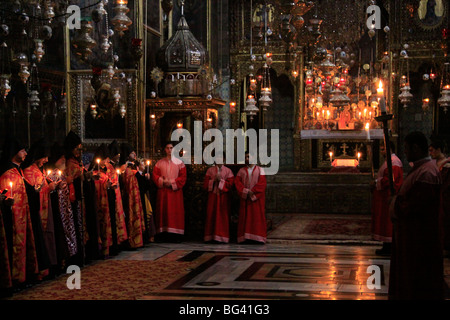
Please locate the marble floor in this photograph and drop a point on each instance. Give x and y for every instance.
(270, 271)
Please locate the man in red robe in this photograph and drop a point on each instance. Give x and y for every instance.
(5, 251)
(381, 221)
(169, 175)
(416, 270)
(437, 148)
(133, 203)
(39, 202)
(218, 182)
(251, 186)
(74, 176)
(118, 224)
(23, 259)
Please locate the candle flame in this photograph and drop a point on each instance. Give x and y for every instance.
(48, 172)
(367, 126)
(59, 172)
(10, 184)
(98, 160)
(118, 171)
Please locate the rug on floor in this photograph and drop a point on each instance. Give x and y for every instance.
(323, 227)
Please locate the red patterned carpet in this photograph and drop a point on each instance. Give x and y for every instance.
(112, 280)
(323, 227)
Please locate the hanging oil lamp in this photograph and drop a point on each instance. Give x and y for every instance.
(121, 21)
(24, 74)
(39, 49)
(5, 88)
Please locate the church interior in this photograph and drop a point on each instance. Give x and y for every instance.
(330, 82)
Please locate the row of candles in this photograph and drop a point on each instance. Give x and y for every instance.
(331, 156)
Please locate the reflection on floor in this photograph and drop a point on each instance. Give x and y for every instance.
(269, 271)
(275, 272)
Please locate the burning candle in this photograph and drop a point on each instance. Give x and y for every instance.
(359, 157)
(148, 165)
(11, 187)
(98, 164)
(118, 172)
(368, 130)
(49, 172)
(331, 156)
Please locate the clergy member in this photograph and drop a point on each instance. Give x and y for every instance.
(437, 148)
(381, 220)
(146, 185)
(133, 208)
(416, 270)
(39, 191)
(5, 248)
(118, 224)
(23, 256)
(218, 182)
(63, 218)
(74, 176)
(251, 186)
(169, 175)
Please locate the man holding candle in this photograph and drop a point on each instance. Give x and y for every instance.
(23, 250)
(145, 187)
(132, 196)
(381, 221)
(111, 156)
(39, 201)
(169, 175)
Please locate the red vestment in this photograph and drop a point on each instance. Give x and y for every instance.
(416, 270)
(5, 269)
(135, 213)
(103, 216)
(444, 170)
(24, 258)
(121, 226)
(381, 220)
(218, 209)
(169, 215)
(252, 219)
(74, 170)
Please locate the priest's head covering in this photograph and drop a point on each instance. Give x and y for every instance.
(11, 147)
(114, 149)
(101, 152)
(38, 150)
(126, 150)
(56, 152)
(71, 141)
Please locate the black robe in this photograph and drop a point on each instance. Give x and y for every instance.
(39, 240)
(145, 188)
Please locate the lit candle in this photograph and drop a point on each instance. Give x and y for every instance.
(98, 164)
(359, 157)
(118, 172)
(328, 114)
(49, 172)
(368, 130)
(331, 156)
(359, 117)
(365, 113)
(380, 89)
(11, 187)
(148, 165)
(59, 174)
